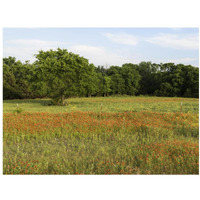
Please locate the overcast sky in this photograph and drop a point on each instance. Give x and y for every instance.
(107, 46)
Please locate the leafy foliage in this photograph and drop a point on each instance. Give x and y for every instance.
(17, 79)
(60, 74)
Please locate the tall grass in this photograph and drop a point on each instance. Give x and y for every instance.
(78, 142)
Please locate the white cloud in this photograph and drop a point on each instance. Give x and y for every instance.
(32, 42)
(88, 50)
(24, 49)
(181, 60)
(126, 39)
(100, 56)
(187, 42)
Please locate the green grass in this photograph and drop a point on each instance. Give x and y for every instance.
(109, 104)
(132, 135)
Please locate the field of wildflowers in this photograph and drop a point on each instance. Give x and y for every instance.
(115, 135)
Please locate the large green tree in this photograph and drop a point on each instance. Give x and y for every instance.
(61, 74)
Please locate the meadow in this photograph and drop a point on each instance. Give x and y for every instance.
(101, 135)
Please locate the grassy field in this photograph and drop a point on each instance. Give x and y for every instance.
(111, 135)
(110, 104)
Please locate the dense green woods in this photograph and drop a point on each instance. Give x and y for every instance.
(60, 74)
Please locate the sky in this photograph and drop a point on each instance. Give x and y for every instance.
(107, 46)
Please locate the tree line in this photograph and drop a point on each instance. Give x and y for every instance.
(59, 74)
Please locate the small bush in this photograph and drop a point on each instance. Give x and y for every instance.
(57, 102)
(19, 110)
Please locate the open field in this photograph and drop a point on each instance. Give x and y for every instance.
(112, 135)
(110, 104)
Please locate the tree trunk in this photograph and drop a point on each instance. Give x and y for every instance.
(63, 100)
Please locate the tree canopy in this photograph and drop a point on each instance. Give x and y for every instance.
(59, 74)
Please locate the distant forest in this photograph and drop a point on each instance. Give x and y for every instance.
(60, 74)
